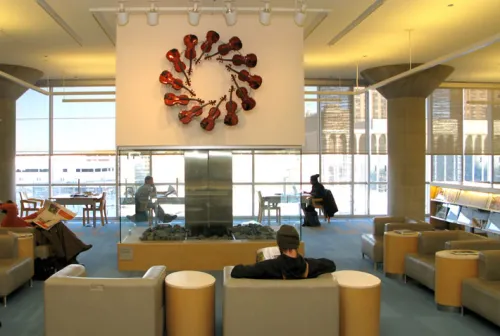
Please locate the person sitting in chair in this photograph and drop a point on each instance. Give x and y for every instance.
(63, 242)
(143, 202)
(289, 265)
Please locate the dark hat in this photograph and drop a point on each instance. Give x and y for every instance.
(287, 238)
(315, 178)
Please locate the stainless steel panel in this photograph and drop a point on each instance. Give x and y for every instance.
(220, 179)
(196, 187)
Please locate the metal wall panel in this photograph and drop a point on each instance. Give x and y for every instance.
(220, 179)
(209, 191)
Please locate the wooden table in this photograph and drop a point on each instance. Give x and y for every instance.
(190, 309)
(80, 200)
(359, 303)
(451, 269)
(396, 247)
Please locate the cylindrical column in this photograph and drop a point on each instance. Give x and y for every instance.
(406, 148)
(9, 93)
(406, 134)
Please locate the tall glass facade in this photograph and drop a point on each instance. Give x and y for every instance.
(67, 141)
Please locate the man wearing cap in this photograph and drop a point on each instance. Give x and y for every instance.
(289, 265)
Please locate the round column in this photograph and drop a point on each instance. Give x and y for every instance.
(406, 133)
(9, 93)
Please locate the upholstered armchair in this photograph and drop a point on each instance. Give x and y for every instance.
(482, 294)
(372, 244)
(77, 305)
(255, 307)
(421, 267)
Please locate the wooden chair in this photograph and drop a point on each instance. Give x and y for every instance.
(317, 203)
(29, 204)
(263, 206)
(99, 206)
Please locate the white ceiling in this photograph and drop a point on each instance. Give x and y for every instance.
(29, 37)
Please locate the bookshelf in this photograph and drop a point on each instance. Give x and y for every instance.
(455, 206)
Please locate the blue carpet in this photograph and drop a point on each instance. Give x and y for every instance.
(407, 309)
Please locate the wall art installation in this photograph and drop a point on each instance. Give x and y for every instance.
(193, 107)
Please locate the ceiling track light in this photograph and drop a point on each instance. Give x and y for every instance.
(300, 14)
(122, 16)
(230, 14)
(194, 15)
(265, 14)
(153, 16)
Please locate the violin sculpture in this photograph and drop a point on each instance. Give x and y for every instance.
(250, 60)
(187, 116)
(206, 47)
(174, 56)
(172, 99)
(234, 44)
(167, 78)
(208, 123)
(253, 80)
(247, 102)
(239, 66)
(231, 119)
(190, 41)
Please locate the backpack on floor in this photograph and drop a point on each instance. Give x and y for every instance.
(44, 269)
(311, 218)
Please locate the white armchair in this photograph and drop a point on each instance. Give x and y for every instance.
(80, 306)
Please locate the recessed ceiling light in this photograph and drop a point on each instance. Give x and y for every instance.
(451, 5)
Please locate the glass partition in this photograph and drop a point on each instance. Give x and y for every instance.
(215, 193)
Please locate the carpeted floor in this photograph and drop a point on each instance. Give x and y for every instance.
(407, 309)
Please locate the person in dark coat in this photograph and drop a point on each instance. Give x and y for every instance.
(318, 190)
(289, 265)
(63, 242)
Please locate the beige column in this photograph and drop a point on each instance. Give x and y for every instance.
(406, 133)
(9, 93)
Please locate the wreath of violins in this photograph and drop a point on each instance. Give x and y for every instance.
(196, 109)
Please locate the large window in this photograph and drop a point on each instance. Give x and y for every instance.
(32, 123)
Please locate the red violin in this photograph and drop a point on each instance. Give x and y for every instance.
(247, 102)
(174, 56)
(187, 116)
(172, 99)
(249, 60)
(206, 47)
(253, 80)
(190, 41)
(208, 123)
(234, 44)
(231, 119)
(167, 78)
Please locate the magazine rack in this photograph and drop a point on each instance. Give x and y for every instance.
(464, 207)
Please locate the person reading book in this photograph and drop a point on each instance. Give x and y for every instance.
(289, 264)
(63, 242)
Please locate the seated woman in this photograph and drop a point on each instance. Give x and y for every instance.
(65, 244)
(318, 190)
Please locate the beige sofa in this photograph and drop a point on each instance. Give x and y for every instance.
(421, 265)
(372, 244)
(80, 306)
(280, 307)
(14, 271)
(482, 294)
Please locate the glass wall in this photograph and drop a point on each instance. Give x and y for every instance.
(67, 141)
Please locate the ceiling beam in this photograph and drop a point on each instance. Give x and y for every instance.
(315, 23)
(60, 21)
(101, 21)
(362, 17)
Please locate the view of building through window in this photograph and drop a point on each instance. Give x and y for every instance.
(64, 147)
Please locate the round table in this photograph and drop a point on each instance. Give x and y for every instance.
(190, 304)
(396, 247)
(451, 269)
(359, 303)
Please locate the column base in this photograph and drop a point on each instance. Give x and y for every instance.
(448, 309)
(394, 276)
